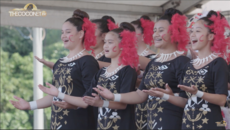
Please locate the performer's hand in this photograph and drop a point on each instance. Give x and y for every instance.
(93, 101)
(104, 92)
(193, 89)
(64, 105)
(40, 60)
(153, 92)
(21, 104)
(167, 90)
(53, 91)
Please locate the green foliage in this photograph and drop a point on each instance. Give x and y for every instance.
(17, 74)
(12, 41)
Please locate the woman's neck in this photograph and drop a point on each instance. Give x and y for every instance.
(75, 50)
(204, 52)
(98, 50)
(114, 62)
(141, 47)
(169, 49)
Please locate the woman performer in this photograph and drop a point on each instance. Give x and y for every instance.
(170, 37)
(72, 76)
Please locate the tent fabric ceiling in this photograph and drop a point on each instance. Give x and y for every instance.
(131, 2)
(58, 11)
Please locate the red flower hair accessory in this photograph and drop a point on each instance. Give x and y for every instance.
(193, 20)
(179, 32)
(111, 25)
(129, 54)
(220, 43)
(147, 26)
(89, 38)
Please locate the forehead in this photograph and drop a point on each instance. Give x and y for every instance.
(199, 23)
(161, 23)
(111, 35)
(67, 25)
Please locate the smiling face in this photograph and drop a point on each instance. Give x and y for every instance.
(200, 36)
(70, 36)
(161, 35)
(111, 45)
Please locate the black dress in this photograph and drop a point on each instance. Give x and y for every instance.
(212, 78)
(150, 56)
(73, 78)
(104, 59)
(121, 82)
(162, 114)
(141, 110)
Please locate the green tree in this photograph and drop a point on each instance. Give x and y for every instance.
(17, 74)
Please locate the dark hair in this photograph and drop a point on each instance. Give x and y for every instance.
(207, 18)
(124, 26)
(168, 14)
(106, 17)
(138, 22)
(103, 23)
(77, 18)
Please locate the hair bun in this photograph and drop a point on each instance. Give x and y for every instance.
(171, 11)
(106, 17)
(211, 12)
(127, 26)
(145, 17)
(80, 14)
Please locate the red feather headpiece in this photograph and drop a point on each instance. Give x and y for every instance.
(147, 26)
(111, 25)
(220, 43)
(179, 32)
(129, 54)
(89, 38)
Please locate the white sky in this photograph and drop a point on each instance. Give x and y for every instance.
(217, 5)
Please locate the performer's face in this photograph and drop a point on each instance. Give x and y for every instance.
(99, 36)
(139, 34)
(161, 35)
(70, 36)
(200, 36)
(111, 46)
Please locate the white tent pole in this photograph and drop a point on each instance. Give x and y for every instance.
(37, 77)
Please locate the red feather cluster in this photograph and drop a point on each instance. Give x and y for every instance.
(147, 26)
(129, 54)
(111, 25)
(89, 38)
(179, 32)
(220, 43)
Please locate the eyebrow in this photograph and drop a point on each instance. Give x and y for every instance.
(160, 28)
(67, 30)
(109, 40)
(199, 27)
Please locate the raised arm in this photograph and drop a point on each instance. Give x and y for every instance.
(53, 91)
(134, 97)
(98, 102)
(21, 104)
(46, 63)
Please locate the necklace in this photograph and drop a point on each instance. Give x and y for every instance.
(199, 61)
(66, 59)
(99, 55)
(165, 57)
(107, 74)
(145, 52)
